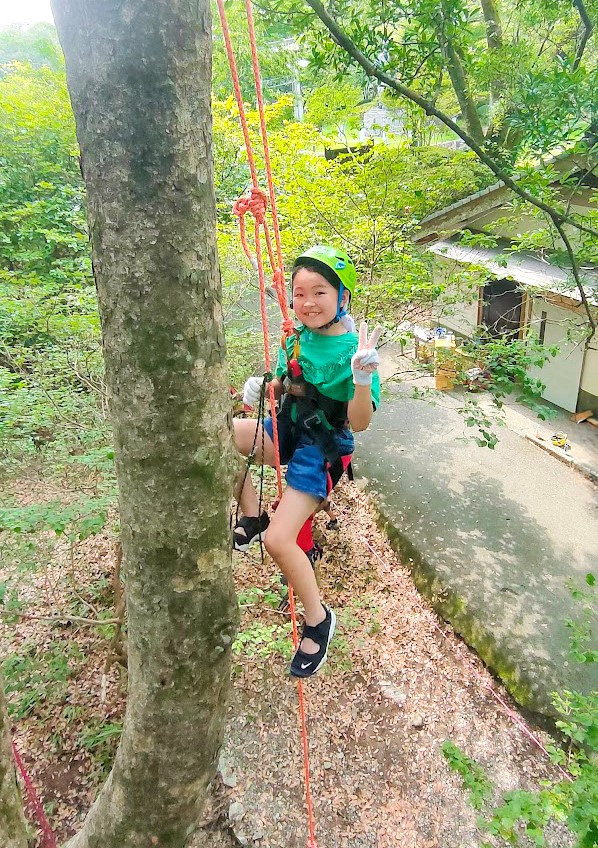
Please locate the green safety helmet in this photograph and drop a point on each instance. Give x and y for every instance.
(335, 258)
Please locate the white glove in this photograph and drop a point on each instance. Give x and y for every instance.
(252, 390)
(366, 359)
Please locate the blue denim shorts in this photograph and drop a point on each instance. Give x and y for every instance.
(307, 469)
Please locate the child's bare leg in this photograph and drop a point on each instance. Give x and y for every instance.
(332, 523)
(244, 433)
(281, 543)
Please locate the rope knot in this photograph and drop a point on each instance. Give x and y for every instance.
(241, 206)
(256, 203)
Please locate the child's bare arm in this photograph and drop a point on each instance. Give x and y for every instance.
(363, 364)
(360, 409)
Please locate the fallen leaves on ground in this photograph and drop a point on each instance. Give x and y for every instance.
(398, 683)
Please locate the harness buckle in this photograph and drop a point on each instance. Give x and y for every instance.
(313, 420)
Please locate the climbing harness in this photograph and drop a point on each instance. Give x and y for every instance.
(256, 203)
(306, 410)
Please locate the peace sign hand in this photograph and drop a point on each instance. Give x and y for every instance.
(366, 359)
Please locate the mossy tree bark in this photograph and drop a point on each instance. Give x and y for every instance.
(12, 821)
(139, 77)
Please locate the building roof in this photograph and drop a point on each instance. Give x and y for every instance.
(525, 268)
(462, 206)
(456, 216)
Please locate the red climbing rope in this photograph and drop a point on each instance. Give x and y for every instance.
(34, 805)
(256, 203)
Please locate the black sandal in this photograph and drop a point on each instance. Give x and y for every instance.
(304, 665)
(254, 529)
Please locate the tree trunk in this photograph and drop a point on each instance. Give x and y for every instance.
(493, 25)
(460, 85)
(139, 79)
(12, 821)
(494, 42)
(456, 72)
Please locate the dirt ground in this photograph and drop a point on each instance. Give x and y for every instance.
(397, 685)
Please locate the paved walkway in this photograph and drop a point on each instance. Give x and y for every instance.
(492, 537)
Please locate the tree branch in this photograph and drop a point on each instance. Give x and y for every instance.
(577, 278)
(493, 26)
(557, 216)
(495, 42)
(458, 78)
(588, 27)
(343, 40)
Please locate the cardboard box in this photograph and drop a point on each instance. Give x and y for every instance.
(444, 381)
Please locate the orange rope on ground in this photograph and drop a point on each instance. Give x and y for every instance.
(34, 805)
(256, 204)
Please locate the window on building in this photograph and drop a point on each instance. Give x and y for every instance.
(501, 308)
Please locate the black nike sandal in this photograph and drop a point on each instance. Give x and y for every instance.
(304, 665)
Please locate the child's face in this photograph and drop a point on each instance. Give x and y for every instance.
(315, 300)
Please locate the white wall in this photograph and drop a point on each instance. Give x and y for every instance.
(589, 377)
(562, 374)
(461, 318)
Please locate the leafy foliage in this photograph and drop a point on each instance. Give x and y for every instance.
(583, 628)
(75, 520)
(278, 63)
(50, 359)
(33, 675)
(520, 75)
(370, 204)
(101, 738)
(36, 44)
(474, 777)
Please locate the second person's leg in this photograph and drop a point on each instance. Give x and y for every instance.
(250, 437)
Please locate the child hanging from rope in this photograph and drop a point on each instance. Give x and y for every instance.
(327, 375)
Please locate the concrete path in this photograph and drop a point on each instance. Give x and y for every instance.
(492, 538)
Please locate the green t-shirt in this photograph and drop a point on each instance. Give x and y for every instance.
(326, 364)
